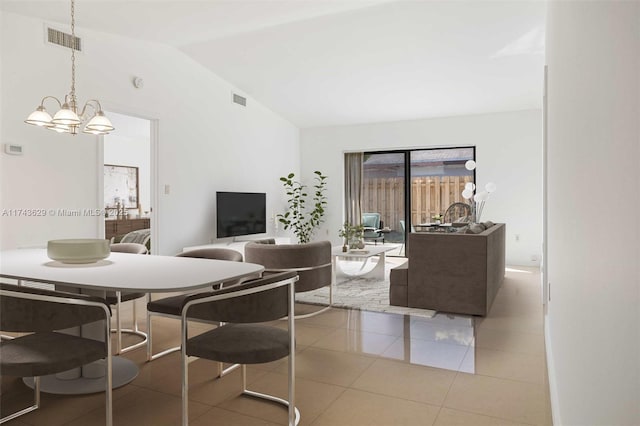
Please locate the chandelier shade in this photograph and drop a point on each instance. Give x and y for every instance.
(39, 117)
(66, 116)
(69, 118)
(99, 123)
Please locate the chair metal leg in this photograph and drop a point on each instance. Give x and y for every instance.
(185, 375)
(293, 412)
(150, 355)
(224, 371)
(319, 311)
(109, 384)
(33, 407)
(135, 331)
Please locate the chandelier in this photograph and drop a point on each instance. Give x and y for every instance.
(67, 119)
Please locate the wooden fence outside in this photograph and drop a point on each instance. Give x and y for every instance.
(430, 195)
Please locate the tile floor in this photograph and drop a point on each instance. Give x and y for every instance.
(353, 368)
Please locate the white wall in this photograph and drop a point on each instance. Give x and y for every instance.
(593, 320)
(206, 143)
(508, 153)
(130, 146)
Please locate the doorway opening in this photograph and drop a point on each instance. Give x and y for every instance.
(128, 186)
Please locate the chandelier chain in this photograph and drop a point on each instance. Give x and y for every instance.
(73, 54)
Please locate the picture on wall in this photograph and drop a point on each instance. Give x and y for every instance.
(120, 186)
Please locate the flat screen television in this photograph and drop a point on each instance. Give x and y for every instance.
(240, 213)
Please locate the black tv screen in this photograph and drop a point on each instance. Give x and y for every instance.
(240, 213)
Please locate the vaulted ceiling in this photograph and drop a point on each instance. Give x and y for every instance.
(339, 62)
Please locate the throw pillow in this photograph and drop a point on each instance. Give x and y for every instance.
(488, 224)
(476, 228)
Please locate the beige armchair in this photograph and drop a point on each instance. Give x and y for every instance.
(312, 262)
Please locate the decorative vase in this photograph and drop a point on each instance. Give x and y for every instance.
(356, 243)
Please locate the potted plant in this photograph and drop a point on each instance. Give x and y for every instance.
(304, 216)
(353, 236)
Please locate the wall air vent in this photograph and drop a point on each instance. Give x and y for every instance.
(240, 100)
(63, 39)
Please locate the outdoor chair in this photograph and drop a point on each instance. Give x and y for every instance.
(243, 337)
(44, 351)
(372, 227)
(457, 213)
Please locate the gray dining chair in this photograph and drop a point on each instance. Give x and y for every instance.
(44, 351)
(171, 307)
(117, 298)
(243, 337)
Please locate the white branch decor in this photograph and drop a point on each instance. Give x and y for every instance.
(476, 199)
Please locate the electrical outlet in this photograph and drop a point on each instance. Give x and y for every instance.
(517, 237)
(167, 189)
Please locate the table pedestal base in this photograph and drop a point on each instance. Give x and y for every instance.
(124, 371)
(377, 272)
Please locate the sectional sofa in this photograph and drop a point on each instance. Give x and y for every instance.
(457, 272)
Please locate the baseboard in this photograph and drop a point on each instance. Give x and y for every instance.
(551, 374)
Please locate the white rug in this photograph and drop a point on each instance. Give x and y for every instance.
(366, 294)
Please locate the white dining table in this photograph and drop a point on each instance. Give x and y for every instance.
(119, 272)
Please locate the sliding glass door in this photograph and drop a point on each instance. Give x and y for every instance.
(412, 187)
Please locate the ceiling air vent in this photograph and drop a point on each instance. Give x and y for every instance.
(240, 100)
(63, 39)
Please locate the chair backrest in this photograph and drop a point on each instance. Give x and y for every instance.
(258, 300)
(457, 212)
(28, 309)
(312, 261)
(133, 248)
(213, 253)
(371, 220)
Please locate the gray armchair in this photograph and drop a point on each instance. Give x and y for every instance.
(312, 262)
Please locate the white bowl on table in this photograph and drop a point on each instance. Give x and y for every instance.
(78, 250)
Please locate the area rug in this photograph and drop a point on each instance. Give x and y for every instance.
(367, 294)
